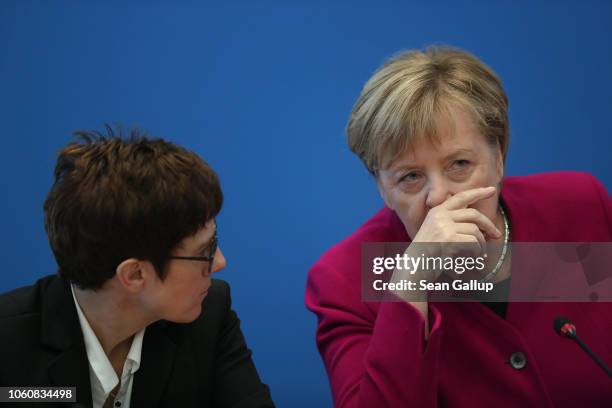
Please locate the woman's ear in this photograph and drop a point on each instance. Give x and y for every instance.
(131, 274)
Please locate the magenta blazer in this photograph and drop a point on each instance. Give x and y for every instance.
(375, 353)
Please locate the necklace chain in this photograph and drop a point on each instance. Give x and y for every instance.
(502, 257)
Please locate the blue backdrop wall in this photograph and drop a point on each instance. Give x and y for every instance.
(262, 91)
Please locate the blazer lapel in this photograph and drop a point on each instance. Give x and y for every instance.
(156, 363)
(71, 369)
(61, 333)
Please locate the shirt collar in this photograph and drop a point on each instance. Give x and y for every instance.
(98, 360)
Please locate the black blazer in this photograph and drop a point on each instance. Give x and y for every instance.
(205, 363)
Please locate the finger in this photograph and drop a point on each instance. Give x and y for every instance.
(468, 197)
(473, 230)
(472, 215)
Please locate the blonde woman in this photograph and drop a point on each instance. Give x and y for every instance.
(432, 128)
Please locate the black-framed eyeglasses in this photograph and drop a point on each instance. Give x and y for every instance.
(209, 257)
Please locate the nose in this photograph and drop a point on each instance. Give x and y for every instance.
(437, 193)
(219, 261)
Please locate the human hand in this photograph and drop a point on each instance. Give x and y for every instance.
(454, 222)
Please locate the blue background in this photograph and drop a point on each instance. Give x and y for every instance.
(262, 92)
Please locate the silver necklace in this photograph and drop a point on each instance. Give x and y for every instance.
(502, 257)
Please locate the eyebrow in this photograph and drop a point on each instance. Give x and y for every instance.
(207, 243)
(458, 152)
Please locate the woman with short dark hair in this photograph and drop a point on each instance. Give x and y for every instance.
(131, 222)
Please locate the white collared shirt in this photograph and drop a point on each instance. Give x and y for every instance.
(102, 376)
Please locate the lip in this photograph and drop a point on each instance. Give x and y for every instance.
(205, 291)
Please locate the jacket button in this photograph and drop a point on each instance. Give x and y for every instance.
(518, 360)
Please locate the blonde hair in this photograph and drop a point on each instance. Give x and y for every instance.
(402, 100)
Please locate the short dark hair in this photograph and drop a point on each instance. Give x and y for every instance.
(117, 197)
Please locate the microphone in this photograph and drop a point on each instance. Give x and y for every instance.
(565, 328)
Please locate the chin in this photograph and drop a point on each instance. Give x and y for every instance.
(189, 316)
(194, 315)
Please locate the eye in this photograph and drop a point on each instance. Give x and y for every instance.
(205, 252)
(410, 177)
(211, 249)
(460, 164)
